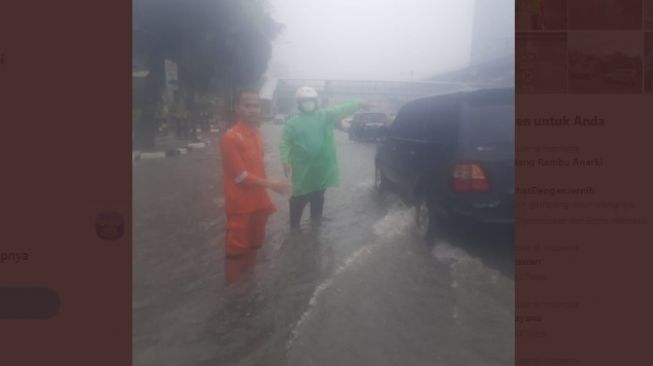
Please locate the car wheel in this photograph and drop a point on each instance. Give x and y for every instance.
(424, 220)
(380, 181)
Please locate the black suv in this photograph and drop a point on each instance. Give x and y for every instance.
(368, 126)
(452, 155)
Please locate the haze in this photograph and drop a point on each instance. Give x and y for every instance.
(371, 39)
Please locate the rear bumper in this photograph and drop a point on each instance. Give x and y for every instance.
(370, 133)
(485, 209)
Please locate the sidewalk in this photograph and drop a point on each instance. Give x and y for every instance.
(170, 145)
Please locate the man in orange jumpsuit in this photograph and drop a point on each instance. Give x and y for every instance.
(247, 203)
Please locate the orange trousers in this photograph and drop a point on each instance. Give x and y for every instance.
(245, 235)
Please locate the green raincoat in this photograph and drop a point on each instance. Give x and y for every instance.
(307, 146)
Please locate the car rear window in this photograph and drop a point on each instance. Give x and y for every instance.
(432, 120)
(483, 119)
(408, 123)
(488, 127)
(373, 117)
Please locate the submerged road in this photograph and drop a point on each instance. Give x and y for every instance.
(360, 289)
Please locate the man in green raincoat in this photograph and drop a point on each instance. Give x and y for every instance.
(308, 152)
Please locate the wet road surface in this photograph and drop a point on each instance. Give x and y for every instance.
(360, 289)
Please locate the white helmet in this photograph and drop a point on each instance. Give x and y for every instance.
(306, 92)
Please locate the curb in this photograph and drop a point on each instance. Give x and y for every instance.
(151, 155)
(138, 155)
(197, 145)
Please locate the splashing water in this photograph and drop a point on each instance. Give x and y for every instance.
(398, 222)
(362, 252)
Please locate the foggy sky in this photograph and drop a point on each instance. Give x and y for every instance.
(370, 39)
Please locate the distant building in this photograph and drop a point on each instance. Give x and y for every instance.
(493, 31)
(386, 96)
(492, 54)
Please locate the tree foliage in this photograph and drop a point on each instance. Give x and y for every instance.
(218, 45)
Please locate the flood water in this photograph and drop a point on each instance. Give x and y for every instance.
(359, 289)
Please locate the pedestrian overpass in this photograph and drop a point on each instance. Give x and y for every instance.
(387, 96)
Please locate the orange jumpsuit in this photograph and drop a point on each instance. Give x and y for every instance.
(247, 204)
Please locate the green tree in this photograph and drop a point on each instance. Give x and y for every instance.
(218, 45)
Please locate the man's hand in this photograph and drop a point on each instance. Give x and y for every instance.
(280, 186)
(286, 170)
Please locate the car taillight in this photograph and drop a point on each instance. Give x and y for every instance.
(469, 178)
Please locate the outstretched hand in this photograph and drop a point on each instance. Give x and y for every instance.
(280, 186)
(286, 170)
